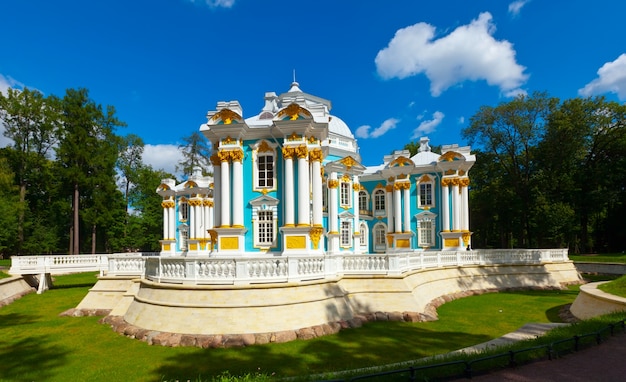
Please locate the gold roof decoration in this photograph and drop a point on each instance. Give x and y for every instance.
(228, 140)
(451, 156)
(401, 162)
(348, 162)
(227, 116)
(163, 187)
(345, 178)
(293, 111)
(264, 147)
(379, 185)
(425, 178)
(294, 137)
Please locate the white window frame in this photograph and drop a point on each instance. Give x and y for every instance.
(345, 194)
(379, 231)
(268, 149)
(364, 231)
(183, 237)
(426, 181)
(364, 196)
(183, 210)
(426, 227)
(263, 239)
(379, 198)
(260, 205)
(345, 233)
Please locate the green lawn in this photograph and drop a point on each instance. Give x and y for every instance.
(37, 344)
(603, 258)
(616, 287)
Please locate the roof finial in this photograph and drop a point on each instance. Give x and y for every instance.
(294, 75)
(294, 85)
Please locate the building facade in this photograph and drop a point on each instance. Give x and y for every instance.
(289, 181)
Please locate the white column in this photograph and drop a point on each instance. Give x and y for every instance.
(192, 218)
(217, 190)
(225, 189)
(456, 218)
(397, 207)
(289, 202)
(356, 224)
(445, 206)
(316, 180)
(304, 193)
(333, 185)
(407, 206)
(389, 207)
(237, 188)
(465, 204)
(166, 223)
(171, 218)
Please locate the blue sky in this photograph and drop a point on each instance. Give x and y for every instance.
(394, 70)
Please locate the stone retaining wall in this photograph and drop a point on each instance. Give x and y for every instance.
(593, 302)
(13, 288)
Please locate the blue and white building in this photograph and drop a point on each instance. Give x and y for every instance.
(290, 181)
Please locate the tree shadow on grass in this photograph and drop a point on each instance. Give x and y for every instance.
(15, 319)
(349, 349)
(31, 359)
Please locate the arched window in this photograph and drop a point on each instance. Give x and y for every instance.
(425, 192)
(379, 202)
(379, 234)
(364, 237)
(364, 200)
(264, 166)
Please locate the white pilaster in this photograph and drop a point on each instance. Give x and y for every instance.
(397, 208)
(456, 207)
(237, 189)
(289, 194)
(465, 205)
(304, 194)
(445, 207)
(316, 180)
(225, 190)
(407, 207)
(389, 206)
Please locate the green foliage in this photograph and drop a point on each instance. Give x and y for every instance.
(549, 174)
(196, 151)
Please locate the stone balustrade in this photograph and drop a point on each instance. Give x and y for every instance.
(272, 269)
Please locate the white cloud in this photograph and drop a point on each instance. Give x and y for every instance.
(216, 3)
(164, 157)
(516, 7)
(611, 79)
(428, 126)
(8, 82)
(461, 120)
(364, 131)
(468, 53)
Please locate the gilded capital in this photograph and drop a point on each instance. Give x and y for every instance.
(224, 156)
(316, 155)
(333, 183)
(288, 152)
(302, 152)
(215, 160)
(389, 188)
(356, 187)
(236, 156)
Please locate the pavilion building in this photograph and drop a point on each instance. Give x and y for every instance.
(290, 181)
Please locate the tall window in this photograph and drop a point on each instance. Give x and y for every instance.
(426, 234)
(363, 200)
(379, 201)
(346, 233)
(345, 192)
(265, 170)
(379, 237)
(426, 194)
(364, 237)
(265, 230)
(183, 210)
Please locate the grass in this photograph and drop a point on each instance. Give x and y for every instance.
(616, 287)
(37, 344)
(603, 258)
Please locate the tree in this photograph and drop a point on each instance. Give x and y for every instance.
(9, 207)
(510, 133)
(196, 152)
(31, 121)
(87, 153)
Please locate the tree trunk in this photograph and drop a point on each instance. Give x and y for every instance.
(75, 244)
(20, 219)
(93, 239)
